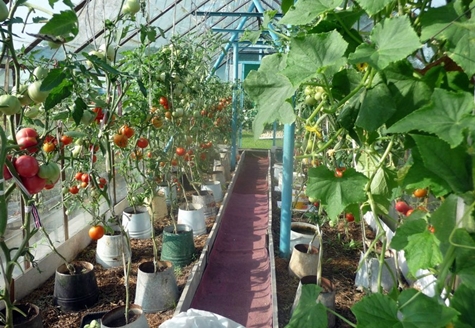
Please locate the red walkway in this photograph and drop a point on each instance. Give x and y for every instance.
(237, 281)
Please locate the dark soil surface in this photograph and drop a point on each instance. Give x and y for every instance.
(340, 259)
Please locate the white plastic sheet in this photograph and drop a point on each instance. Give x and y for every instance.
(194, 318)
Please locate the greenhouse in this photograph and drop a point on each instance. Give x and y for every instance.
(219, 163)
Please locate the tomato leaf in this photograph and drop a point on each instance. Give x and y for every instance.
(286, 4)
(464, 256)
(436, 22)
(64, 24)
(462, 301)
(305, 11)
(58, 94)
(422, 251)
(450, 164)
(373, 7)
(314, 54)
(375, 311)
(308, 312)
(54, 78)
(443, 219)
(372, 115)
(421, 311)
(270, 92)
(78, 110)
(335, 193)
(392, 39)
(448, 116)
(404, 231)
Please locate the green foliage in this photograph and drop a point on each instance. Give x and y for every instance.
(396, 109)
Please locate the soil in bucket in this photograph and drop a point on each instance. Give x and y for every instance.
(31, 320)
(178, 245)
(75, 290)
(116, 318)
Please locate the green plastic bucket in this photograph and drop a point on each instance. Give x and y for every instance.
(178, 247)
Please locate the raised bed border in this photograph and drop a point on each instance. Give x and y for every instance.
(197, 272)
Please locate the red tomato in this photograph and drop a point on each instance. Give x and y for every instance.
(180, 151)
(402, 207)
(66, 140)
(96, 232)
(127, 131)
(26, 166)
(6, 172)
(78, 176)
(163, 101)
(33, 184)
(349, 217)
(74, 190)
(85, 177)
(27, 139)
(142, 142)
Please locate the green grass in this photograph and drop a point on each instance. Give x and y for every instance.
(248, 141)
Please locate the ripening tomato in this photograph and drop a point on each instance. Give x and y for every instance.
(142, 142)
(48, 147)
(156, 122)
(339, 171)
(420, 193)
(96, 232)
(66, 140)
(431, 228)
(180, 151)
(26, 166)
(168, 115)
(121, 140)
(127, 131)
(203, 156)
(174, 162)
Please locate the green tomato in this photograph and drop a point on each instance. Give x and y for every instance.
(178, 112)
(22, 94)
(40, 73)
(131, 7)
(49, 171)
(3, 11)
(36, 94)
(31, 112)
(109, 52)
(9, 105)
(309, 100)
(308, 91)
(54, 45)
(77, 150)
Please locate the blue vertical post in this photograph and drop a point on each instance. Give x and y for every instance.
(287, 181)
(236, 101)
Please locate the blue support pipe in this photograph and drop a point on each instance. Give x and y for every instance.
(286, 188)
(236, 101)
(231, 40)
(260, 9)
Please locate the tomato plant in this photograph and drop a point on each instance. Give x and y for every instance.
(96, 232)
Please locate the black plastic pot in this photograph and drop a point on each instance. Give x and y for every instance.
(32, 319)
(75, 291)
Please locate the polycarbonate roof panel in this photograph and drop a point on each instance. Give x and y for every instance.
(177, 17)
